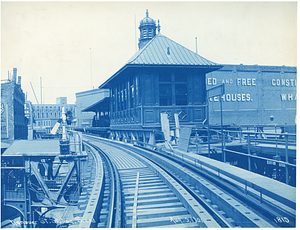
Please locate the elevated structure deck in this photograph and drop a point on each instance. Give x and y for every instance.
(275, 190)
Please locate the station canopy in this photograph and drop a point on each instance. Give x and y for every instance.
(99, 106)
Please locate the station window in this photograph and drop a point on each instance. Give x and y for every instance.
(165, 94)
(118, 102)
(172, 89)
(132, 92)
(113, 100)
(181, 94)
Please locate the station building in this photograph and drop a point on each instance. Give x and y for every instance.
(165, 77)
(13, 120)
(162, 77)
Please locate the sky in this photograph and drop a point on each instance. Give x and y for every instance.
(76, 46)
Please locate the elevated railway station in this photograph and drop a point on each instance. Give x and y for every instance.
(176, 144)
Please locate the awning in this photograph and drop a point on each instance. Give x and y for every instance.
(4, 145)
(100, 106)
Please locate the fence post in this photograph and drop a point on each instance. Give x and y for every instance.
(276, 146)
(286, 158)
(249, 160)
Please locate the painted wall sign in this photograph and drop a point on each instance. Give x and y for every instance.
(284, 82)
(253, 94)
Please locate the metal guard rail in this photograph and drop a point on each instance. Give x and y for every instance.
(247, 183)
(93, 207)
(218, 171)
(115, 206)
(258, 157)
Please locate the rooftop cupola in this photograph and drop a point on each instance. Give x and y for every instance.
(147, 30)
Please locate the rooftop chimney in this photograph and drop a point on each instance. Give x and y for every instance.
(14, 75)
(19, 80)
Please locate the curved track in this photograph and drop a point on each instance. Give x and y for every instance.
(148, 189)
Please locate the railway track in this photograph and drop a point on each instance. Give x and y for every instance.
(147, 189)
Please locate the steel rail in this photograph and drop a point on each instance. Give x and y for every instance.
(114, 219)
(217, 217)
(266, 209)
(90, 215)
(190, 160)
(186, 198)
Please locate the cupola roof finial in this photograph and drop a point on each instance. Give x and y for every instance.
(147, 30)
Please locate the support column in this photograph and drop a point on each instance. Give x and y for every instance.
(249, 153)
(286, 158)
(152, 138)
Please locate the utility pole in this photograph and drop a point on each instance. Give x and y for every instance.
(135, 33)
(196, 45)
(41, 90)
(91, 68)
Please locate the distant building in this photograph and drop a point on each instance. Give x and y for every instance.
(13, 120)
(85, 99)
(61, 100)
(46, 115)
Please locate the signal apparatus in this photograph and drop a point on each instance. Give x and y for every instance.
(64, 141)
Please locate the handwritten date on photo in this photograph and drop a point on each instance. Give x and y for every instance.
(77, 220)
(198, 220)
(281, 219)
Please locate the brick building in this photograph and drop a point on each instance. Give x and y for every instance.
(13, 120)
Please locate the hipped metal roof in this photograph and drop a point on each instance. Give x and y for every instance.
(162, 51)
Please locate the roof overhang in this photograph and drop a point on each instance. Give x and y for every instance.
(99, 106)
(204, 68)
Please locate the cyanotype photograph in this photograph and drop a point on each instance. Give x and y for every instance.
(148, 114)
